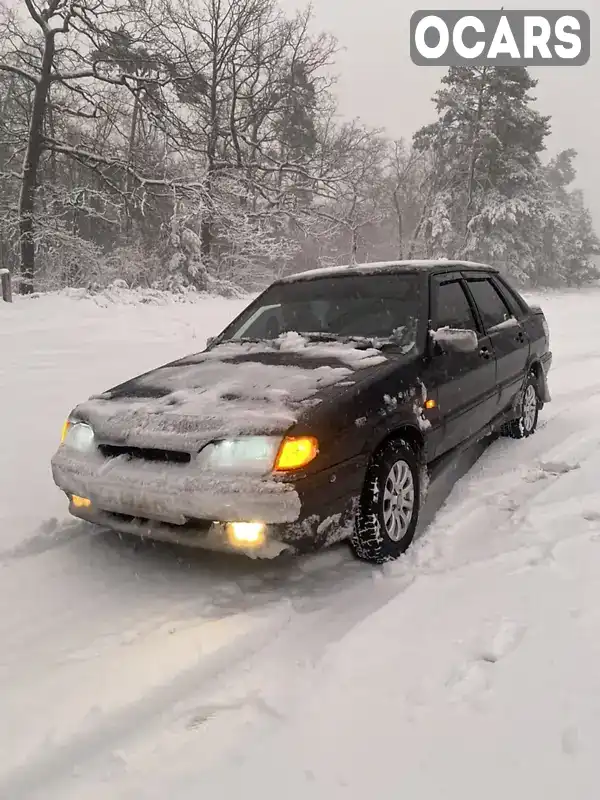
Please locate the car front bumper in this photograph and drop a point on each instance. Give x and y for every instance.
(131, 494)
(179, 503)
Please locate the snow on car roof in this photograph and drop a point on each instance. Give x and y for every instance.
(384, 266)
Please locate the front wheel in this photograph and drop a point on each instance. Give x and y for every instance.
(526, 423)
(389, 506)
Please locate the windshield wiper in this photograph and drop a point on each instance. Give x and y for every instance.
(359, 342)
(322, 337)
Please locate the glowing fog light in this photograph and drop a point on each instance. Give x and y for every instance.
(246, 534)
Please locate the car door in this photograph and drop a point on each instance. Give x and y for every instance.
(465, 382)
(508, 336)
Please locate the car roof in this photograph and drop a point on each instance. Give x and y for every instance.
(388, 267)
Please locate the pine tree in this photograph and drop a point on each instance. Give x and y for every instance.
(568, 243)
(487, 187)
(582, 247)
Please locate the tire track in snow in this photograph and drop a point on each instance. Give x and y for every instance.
(281, 644)
(38, 774)
(49, 536)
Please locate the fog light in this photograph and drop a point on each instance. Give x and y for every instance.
(246, 534)
(80, 502)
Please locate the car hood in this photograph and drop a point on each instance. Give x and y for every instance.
(234, 389)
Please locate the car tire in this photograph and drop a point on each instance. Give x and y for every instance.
(389, 506)
(525, 424)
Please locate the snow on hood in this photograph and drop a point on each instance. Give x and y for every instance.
(237, 388)
(294, 344)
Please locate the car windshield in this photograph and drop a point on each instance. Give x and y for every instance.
(373, 307)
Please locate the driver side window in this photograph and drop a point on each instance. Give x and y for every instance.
(452, 308)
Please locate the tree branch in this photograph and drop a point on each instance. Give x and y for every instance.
(36, 15)
(20, 72)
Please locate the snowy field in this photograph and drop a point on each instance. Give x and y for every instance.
(468, 669)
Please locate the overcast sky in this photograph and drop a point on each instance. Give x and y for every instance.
(379, 83)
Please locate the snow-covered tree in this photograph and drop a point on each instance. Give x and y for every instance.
(485, 148)
(142, 109)
(567, 245)
(199, 142)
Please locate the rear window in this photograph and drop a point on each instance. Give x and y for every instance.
(357, 306)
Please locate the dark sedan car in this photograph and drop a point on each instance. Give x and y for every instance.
(319, 414)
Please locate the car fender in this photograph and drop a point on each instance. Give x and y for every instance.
(535, 366)
(405, 423)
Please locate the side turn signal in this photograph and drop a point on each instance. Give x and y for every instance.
(296, 452)
(65, 430)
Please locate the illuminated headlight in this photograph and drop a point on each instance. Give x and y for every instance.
(79, 436)
(246, 454)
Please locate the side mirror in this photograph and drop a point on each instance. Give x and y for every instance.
(455, 340)
(210, 341)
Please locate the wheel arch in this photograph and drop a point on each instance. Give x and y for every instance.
(537, 370)
(406, 432)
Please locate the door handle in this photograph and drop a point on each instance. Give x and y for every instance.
(485, 353)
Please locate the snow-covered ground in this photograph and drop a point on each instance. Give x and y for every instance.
(468, 669)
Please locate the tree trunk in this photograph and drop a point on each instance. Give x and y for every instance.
(354, 253)
(419, 228)
(131, 158)
(206, 228)
(473, 156)
(399, 225)
(31, 164)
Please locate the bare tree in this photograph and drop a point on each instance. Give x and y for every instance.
(57, 49)
(408, 176)
(202, 132)
(356, 199)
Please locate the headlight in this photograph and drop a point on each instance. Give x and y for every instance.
(247, 454)
(78, 436)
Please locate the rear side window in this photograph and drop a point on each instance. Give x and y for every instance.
(452, 308)
(491, 306)
(515, 302)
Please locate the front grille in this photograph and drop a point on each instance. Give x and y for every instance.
(145, 454)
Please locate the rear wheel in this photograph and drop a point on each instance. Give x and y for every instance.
(526, 423)
(389, 506)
